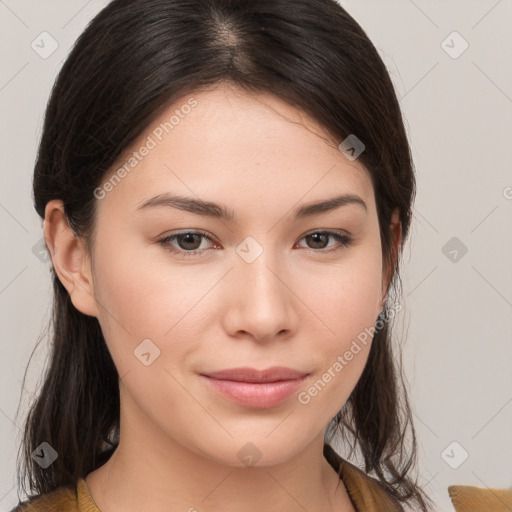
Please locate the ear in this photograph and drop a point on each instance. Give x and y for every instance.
(396, 238)
(70, 258)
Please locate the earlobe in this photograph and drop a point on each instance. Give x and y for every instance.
(396, 230)
(70, 258)
(396, 238)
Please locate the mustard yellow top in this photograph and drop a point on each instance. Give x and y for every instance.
(466, 498)
(365, 492)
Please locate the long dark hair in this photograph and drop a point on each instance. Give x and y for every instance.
(135, 58)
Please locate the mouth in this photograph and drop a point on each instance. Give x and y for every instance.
(245, 374)
(256, 388)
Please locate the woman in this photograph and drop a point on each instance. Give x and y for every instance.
(226, 188)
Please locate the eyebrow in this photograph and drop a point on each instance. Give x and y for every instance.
(209, 209)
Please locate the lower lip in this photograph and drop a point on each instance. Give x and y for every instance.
(251, 394)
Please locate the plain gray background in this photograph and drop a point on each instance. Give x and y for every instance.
(450, 62)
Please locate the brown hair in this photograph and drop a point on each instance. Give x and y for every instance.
(134, 58)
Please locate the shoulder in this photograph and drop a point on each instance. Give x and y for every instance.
(63, 499)
(466, 498)
(366, 492)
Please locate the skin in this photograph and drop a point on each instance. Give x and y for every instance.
(296, 305)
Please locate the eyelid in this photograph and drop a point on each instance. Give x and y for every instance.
(166, 245)
(343, 237)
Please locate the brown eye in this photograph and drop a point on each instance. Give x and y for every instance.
(189, 241)
(186, 244)
(319, 240)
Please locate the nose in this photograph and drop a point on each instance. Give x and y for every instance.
(261, 302)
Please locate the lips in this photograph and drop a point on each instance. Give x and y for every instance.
(249, 387)
(274, 374)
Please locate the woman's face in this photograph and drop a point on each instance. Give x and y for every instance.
(263, 288)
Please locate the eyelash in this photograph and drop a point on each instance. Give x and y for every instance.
(344, 240)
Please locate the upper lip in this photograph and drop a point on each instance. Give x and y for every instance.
(273, 374)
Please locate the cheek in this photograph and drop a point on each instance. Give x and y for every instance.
(343, 357)
(145, 297)
(137, 300)
(345, 296)
(346, 300)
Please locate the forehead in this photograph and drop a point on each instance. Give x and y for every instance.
(225, 142)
